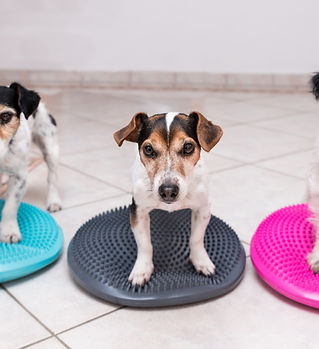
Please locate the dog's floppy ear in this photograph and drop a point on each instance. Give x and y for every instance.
(208, 134)
(28, 100)
(131, 131)
(315, 85)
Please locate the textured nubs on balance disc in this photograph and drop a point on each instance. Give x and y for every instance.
(41, 244)
(103, 252)
(279, 252)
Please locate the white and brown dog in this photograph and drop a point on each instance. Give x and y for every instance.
(313, 192)
(17, 130)
(169, 174)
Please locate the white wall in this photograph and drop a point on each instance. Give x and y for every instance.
(221, 36)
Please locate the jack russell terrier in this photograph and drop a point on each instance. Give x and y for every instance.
(169, 174)
(17, 130)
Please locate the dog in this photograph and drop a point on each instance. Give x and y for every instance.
(23, 118)
(169, 174)
(313, 191)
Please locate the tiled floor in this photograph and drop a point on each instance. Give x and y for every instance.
(259, 165)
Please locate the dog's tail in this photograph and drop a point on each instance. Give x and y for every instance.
(315, 85)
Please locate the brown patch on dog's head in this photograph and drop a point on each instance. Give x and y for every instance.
(131, 131)
(208, 134)
(9, 122)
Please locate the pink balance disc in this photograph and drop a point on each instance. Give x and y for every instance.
(279, 252)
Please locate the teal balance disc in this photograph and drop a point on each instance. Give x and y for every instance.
(41, 244)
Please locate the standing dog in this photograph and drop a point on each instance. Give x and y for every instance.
(17, 104)
(169, 174)
(313, 192)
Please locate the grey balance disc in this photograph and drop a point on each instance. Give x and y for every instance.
(103, 251)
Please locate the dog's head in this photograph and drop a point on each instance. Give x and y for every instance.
(169, 148)
(14, 100)
(315, 85)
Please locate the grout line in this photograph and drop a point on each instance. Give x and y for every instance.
(245, 242)
(95, 178)
(285, 132)
(253, 122)
(39, 341)
(283, 155)
(279, 172)
(34, 317)
(94, 201)
(228, 168)
(257, 162)
(83, 151)
(93, 319)
(262, 102)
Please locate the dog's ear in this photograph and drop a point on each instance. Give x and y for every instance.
(131, 131)
(28, 100)
(208, 134)
(315, 85)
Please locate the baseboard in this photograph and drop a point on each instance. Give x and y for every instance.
(161, 80)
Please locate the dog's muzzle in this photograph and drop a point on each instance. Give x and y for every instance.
(168, 192)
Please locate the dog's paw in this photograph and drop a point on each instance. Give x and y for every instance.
(202, 262)
(54, 207)
(10, 233)
(313, 260)
(141, 272)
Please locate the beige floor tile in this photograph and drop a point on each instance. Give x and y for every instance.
(244, 196)
(301, 102)
(216, 163)
(117, 111)
(297, 165)
(238, 96)
(243, 112)
(111, 165)
(79, 134)
(17, 327)
(249, 144)
(74, 188)
(51, 343)
(301, 124)
(59, 302)
(245, 318)
(246, 247)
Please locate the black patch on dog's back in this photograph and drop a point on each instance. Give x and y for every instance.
(315, 85)
(53, 121)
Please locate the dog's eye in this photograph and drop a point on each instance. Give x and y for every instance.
(149, 151)
(188, 148)
(5, 117)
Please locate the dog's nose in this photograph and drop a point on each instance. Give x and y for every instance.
(168, 192)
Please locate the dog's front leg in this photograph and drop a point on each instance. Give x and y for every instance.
(313, 257)
(198, 254)
(140, 224)
(313, 202)
(9, 229)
